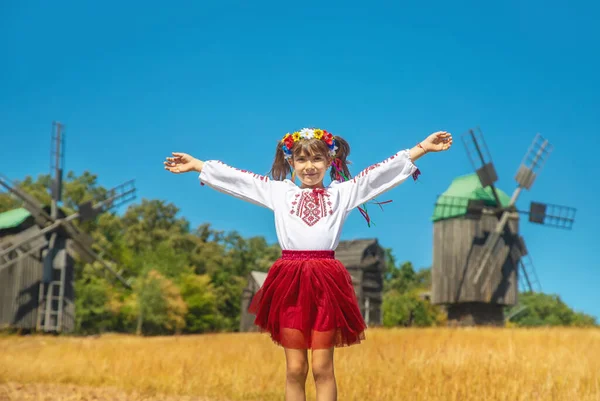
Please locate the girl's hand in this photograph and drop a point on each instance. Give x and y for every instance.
(437, 142)
(182, 163)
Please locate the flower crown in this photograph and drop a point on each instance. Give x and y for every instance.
(289, 140)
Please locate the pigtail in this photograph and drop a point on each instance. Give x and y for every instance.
(280, 168)
(339, 169)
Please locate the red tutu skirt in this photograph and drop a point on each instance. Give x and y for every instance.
(308, 301)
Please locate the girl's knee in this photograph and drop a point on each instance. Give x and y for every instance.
(323, 370)
(297, 370)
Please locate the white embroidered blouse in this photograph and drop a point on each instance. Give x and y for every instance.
(309, 219)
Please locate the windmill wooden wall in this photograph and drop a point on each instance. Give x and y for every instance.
(255, 281)
(365, 261)
(21, 278)
(457, 244)
(19, 292)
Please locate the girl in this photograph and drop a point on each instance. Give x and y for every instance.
(307, 300)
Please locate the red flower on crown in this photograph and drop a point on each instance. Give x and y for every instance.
(289, 142)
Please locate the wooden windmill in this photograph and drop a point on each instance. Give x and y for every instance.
(479, 258)
(37, 245)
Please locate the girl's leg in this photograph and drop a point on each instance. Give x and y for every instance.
(322, 368)
(296, 372)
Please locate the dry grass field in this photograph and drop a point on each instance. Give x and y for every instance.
(399, 364)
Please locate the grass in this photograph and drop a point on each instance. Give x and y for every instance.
(397, 364)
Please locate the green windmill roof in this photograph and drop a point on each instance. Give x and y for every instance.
(453, 202)
(13, 218)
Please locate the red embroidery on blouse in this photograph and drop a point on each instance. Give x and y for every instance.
(258, 176)
(371, 168)
(311, 206)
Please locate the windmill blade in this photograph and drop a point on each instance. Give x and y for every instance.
(88, 254)
(83, 240)
(5, 261)
(121, 194)
(530, 166)
(533, 162)
(16, 245)
(57, 161)
(532, 283)
(481, 160)
(551, 215)
(116, 197)
(526, 267)
(82, 244)
(21, 245)
(529, 281)
(521, 258)
(29, 202)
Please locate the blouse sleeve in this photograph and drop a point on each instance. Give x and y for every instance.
(242, 184)
(377, 179)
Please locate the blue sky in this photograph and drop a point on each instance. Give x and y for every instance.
(225, 80)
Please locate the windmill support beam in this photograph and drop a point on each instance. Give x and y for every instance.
(490, 272)
(17, 245)
(494, 238)
(21, 256)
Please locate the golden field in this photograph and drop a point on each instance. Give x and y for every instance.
(398, 364)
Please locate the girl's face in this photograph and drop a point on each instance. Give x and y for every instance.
(311, 169)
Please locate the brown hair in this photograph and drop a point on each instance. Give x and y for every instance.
(281, 168)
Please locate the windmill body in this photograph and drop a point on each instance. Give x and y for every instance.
(480, 261)
(38, 248)
(23, 272)
(458, 241)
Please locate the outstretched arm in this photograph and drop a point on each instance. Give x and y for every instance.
(241, 184)
(393, 171)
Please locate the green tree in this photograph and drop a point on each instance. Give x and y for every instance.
(241, 256)
(37, 189)
(409, 309)
(200, 296)
(404, 303)
(96, 304)
(548, 310)
(151, 223)
(206, 250)
(156, 305)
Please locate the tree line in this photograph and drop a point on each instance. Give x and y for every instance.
(190, 279)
